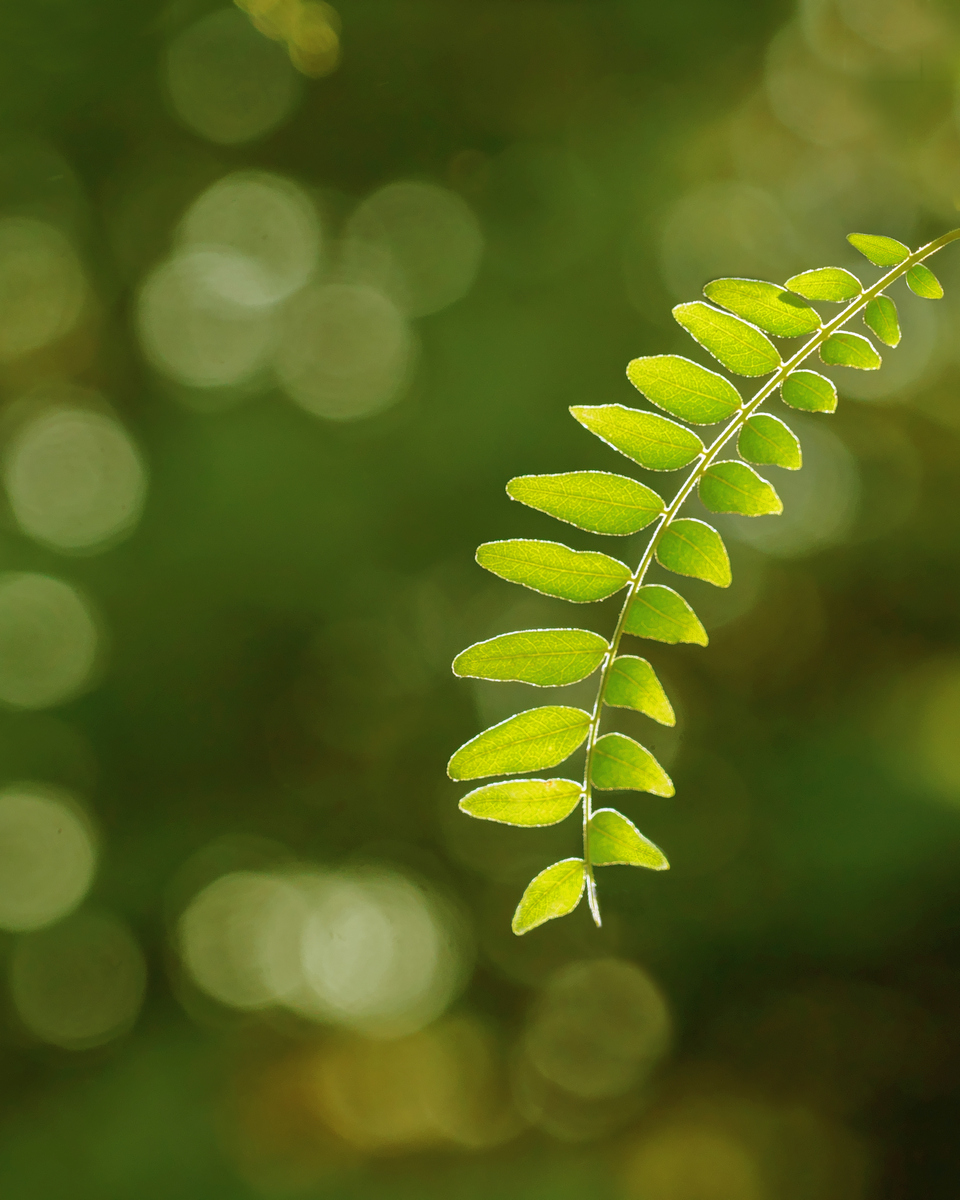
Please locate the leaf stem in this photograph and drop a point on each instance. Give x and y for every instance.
(666, 519)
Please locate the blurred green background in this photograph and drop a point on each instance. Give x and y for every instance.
(287, 294)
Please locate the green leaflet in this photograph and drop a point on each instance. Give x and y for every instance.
(827, 283)
(881, 251)
(613, 839)
(738, 346)
(809, 391)
(684, 388)
(527, 802)
(691, 547)
(767, 305)
(555, 570)
(733, 487)
(922, 282)
(546, 657)
(633, 683)
(622, 765)
(660, 614)
(850, 350)
(530, 741)
(593, 500)
(880, 315)
(765, 439)
(652, 441)
(553, 893)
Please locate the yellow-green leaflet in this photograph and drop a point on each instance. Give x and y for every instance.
(733, 487)
(881, 251)
(922, 282)
(765, 439)
(597, 501)
(694, 548)
(809, 391)
(880, 315)
(684, 388)
(546, 657)
(738, 346)
(633, 683)
(554, 569)
(614, 839)
(652, 441)
(553, 893)
(527, 802)
(766, 305)
(620, 764)
(850, 350)
(530, 741)
(826, 283)
(662, 615)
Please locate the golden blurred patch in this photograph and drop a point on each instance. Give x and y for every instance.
(310, 28)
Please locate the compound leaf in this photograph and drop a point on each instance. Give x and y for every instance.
(546, 657)
(827, 283)
(633, 683)
(922, 282)
(527, 802)
(553, 893)
(615, 840)
(652, 441)
(620, 764)
(555, 570)
(766, 305)
(765, 439)
(684, 388)
(738, 346)
(662, 615)
(733, 487)
(530, 741)
(809, 391)
(881, 251)
(694, 548)
(597, 501)
(847, 349)
(880, 315)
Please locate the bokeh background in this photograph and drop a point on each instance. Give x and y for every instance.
(287, 294)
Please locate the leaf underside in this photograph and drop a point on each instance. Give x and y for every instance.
(615, 840)
(652, 441)
(530, 741)
(733, 487)
(553, 893)
(596, 501)
(826, 283)
(633, 683)
(880, 316)
(922, 282)
(694, 548)
(881, 251)
(848, 349)
(766, 305)
(765, 439)
(621, 764)
(529, 802)
(546, 657)
(662, 615)
(684, 388)
(555, 570)
(739, 346)
(810, 392)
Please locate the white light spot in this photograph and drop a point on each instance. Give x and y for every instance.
(47, 856)
(48, 641)
(42, 287)
(79, 983)
(74, 478)
(228, 82)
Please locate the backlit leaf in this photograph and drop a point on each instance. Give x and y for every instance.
(765, 439)
(847, 349)
(621, 764)
(555, 570)
(593, 500)
(827, 283)
(691, 547)
(684, 388)
(733, 487)
(809, 391)
(546, 657)
(662, 615)
(652, 441)
(738, 346)
(613, 839)
(633, 683)
(553, 893)
(767, 305)
(922, 282)
(880, 315)
(524, 801)
(881, 251)
(530, 741)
